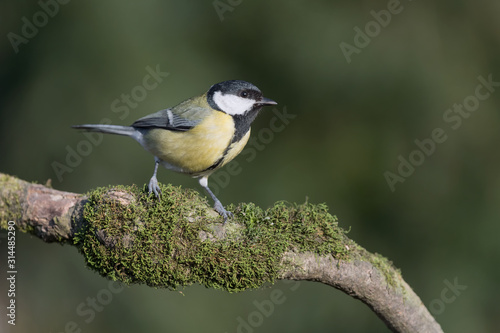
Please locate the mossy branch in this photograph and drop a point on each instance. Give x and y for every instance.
(127, 235)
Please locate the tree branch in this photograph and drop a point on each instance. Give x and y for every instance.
(127, 235)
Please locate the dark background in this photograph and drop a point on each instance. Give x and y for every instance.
(353, 121)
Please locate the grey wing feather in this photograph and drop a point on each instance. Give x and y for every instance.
(171, 119)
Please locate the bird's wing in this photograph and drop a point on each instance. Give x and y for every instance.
(180, 118)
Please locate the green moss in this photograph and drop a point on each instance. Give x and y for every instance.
(176, 242)
(385, 266)
(10, 206)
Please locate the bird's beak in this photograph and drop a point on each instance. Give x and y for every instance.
(266, 101)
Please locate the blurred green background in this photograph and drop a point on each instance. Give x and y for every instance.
(352, 122)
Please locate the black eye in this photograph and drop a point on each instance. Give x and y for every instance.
(244, 94)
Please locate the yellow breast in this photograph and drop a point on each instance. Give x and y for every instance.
(197, 149)
(235, 149)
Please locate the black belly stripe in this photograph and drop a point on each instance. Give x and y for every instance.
(241, 127)
(216, 164)
(220, 160)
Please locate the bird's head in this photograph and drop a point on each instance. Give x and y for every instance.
(236, 97)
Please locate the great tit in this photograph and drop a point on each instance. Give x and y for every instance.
(199, 135)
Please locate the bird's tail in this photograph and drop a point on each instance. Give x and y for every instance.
(111, 129)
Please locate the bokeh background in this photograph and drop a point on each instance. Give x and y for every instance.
(352, 122)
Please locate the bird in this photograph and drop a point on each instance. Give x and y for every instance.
(197, 136)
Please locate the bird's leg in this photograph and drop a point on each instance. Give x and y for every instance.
(153, 182)
(218, 205)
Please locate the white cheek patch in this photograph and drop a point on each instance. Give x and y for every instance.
(232, 104)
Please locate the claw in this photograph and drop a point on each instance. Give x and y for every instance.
(222, 211)
(154, 187)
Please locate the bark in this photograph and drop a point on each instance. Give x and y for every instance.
(55, 216)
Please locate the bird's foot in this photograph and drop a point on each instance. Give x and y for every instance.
(222, 211)
(154, 187)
